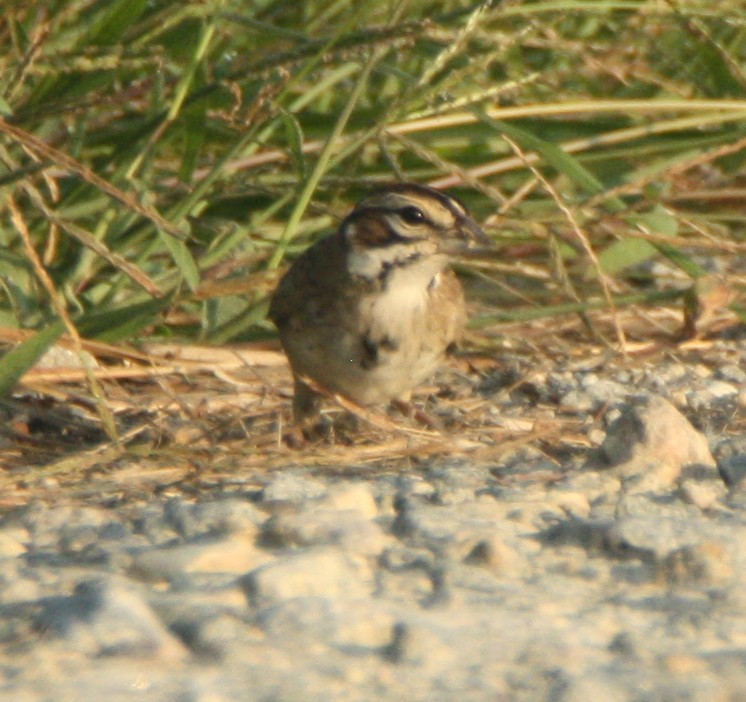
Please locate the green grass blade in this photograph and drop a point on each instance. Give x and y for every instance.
(124, 322)
(321, 164)
(555, 157)
(24, 356)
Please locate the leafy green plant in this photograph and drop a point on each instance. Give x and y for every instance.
(168, 158)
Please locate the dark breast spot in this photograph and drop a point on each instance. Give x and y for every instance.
(373, 350)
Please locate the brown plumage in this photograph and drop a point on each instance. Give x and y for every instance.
(371, 311)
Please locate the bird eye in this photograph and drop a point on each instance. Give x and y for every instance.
(412, 214)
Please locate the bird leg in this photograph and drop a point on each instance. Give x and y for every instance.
(306, 403)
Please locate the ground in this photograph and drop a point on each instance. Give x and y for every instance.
(497, 543)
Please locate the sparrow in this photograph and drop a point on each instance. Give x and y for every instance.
(371, 311)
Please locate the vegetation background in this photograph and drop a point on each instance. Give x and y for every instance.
(161, 162)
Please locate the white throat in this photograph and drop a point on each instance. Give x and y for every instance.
(406, 292)
(370, 263)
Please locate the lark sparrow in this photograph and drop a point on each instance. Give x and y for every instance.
(372, 310)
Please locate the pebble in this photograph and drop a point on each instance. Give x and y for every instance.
(318, 571)
(13, 543)
(103, 617)
(213, 518)
(455, 482)
(294, 487)
(360, 625)
(733, 471)
(732, 374)
(654, 442)
(236, 554)
(652, 538)
(706, 563)
(712, 393)
(592, 393)
(349, 529)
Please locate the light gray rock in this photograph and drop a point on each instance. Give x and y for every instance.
(50, 527)
(477, 530)
(653, 442)
(457, 481)
(355, 625)
(731, 373)
(714, 392)
(214, 518)
(322, 571)
(357, 497)
(317, 525)
(705, 494)
(705, 563)
(108, 617)
(344, 516)
(653, 538)
(593, 393)
(733, 471)
(293, 487)
(234, 554)
(13, 542)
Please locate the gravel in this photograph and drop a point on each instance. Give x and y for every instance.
(613, 572)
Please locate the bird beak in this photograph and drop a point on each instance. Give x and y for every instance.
(467, 237)
(472, 233)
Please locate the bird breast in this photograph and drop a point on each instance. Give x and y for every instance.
(405, 298)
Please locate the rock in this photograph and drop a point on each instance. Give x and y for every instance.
(457, 481)
(200, 695)
(596, 436)
(496, 554)
(592, 394)
(293, 487)
(731, 373)
(402, 558)
(155, 527)
(706, 563)
(662, 378)
(477, 531)
(48, 528)
(344, 516)
(106, 617)
(655, 505)
(236, 554)
(706, 495)
(592, 535)
(357, 625)
(208, 616)
(322, 572)
(652, 440)
(652, 538)
(572, 503)
(356, 497)
(733, 471)
(517, 572)
(593, 687)
(213, 633)
(347, 528)
(558, 384)
(585, 487)
(715, 391)
(728, 447)
(61, 357)
(213, 518)
(13, 542)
